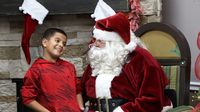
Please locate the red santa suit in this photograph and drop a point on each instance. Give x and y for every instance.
(122, 75)
(141, 84)
(53, 85)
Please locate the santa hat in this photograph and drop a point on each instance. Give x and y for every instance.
(34, 14)
(111, 26)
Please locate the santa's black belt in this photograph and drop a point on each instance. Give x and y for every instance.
(105, 104)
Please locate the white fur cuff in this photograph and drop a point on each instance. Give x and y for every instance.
(118, 109)
(166, 108)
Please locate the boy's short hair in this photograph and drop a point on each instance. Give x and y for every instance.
(51, 31)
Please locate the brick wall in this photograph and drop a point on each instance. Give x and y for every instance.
(78, 28)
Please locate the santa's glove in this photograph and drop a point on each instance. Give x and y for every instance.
(118, 109)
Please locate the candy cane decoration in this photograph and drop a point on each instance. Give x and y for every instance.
(197, 63)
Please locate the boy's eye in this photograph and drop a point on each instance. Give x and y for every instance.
(64, 43)
(57, 40)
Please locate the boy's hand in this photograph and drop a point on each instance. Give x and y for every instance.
(37, 107)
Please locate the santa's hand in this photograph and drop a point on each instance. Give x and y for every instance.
(118, 109)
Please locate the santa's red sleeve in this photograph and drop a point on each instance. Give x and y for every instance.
(85, 77)
(77, 81)
(148, 77)
(78, 85)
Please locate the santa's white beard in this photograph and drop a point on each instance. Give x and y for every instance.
(108, 60)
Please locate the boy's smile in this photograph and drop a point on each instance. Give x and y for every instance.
(54, 46)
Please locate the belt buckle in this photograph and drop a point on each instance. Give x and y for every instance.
(99, 104)
(106, 104)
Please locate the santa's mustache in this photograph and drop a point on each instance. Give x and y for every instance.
(96, 51)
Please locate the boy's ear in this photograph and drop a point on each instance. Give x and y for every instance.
(44, 42)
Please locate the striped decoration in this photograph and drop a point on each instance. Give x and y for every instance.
(173, 74)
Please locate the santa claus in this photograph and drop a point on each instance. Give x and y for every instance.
(122, 75)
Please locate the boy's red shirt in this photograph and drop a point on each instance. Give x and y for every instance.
(53, 85)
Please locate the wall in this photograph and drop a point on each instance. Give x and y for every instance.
(184, 14)
(12, 60)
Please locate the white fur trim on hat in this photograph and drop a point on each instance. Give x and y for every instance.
(106, 35)
(35, 9)
(133, 42)
(102, 11)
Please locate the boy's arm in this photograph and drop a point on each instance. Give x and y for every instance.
(80, 101)
(36, 106)
(29, 91)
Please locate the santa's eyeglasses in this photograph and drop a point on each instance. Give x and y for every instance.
(97, 43)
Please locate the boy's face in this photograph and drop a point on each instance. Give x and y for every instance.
(54, 46)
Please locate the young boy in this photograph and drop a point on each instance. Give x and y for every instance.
(50, 83)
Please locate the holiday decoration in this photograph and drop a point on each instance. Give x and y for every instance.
(134, 14)
(34, 14)
(197, 63)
